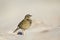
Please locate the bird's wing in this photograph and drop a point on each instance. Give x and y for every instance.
(20, 24)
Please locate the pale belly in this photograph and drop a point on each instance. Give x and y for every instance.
(26, 25)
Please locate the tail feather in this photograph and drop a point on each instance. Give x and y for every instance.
(15, 30)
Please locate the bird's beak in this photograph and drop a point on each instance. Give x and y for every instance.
(30, 15)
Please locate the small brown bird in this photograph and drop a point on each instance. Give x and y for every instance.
(25, 23)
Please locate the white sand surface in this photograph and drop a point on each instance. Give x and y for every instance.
(45, 16)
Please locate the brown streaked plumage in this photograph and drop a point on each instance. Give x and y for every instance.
(25, 23)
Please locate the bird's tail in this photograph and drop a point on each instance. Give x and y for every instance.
(16, 29)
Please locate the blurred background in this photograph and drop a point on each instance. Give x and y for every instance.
(45, 14)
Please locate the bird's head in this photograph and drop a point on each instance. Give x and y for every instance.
(27, 16)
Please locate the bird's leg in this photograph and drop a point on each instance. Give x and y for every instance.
(16, 29)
